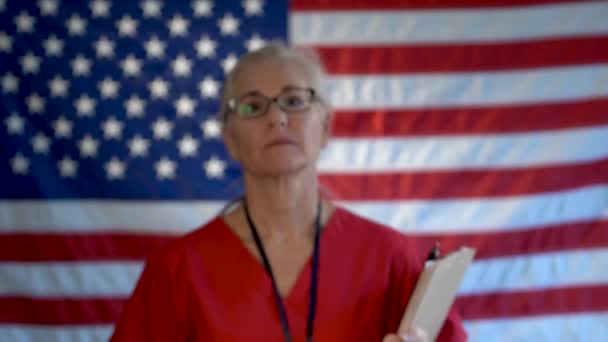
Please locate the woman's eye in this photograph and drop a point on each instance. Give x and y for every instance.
(294, 101)
(248, 108)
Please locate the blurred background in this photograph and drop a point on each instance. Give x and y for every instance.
(480, 123)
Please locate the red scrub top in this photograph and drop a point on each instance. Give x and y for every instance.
(207, 286)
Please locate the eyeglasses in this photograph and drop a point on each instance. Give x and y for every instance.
(290, 100)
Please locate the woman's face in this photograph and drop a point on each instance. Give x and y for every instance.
(276, 143)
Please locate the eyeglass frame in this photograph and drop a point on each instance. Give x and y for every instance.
(232, 102)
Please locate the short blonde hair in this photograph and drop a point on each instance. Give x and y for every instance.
(276, 50)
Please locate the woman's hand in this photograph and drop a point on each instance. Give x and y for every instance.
(414, 335)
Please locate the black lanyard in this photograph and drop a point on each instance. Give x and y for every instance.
(312, 304)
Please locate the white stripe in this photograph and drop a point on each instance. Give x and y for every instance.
(99, 215)
(435, 26)
(346, 155)
(539, 271)
(115, 279)
(44, 333)
(498, 214)
(587, 327)
(82, 279)
(484, 215)
(358, 92)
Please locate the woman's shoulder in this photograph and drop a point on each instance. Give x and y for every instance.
(203, 239)
(354, 223)
(372, 233)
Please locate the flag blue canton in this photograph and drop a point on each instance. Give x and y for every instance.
(106, 99)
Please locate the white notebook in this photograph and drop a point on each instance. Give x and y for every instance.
(435, 292)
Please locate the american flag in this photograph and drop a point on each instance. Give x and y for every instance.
(480, 123)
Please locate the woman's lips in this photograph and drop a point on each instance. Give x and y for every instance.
(280, 141)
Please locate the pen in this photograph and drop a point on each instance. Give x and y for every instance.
(434, 253)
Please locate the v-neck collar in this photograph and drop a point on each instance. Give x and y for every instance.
(299, 290)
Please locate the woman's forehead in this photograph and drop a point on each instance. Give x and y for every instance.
(271, 75)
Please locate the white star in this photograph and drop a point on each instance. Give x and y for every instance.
(30, 63)
(188, 146)
(6, 42)
(202, 8)
(138, 146)
(100, 8)
(2, 5)
(178, 26)
(229, 25)
(165, 168)
(209, 87)
(182, 66)
(255, 43)
(131, 66)
(40, 143)
(34, 103)
(14, 124)
(59, 86)
(76, 25)
(214, 167)
(253, 7)
(205, 47)
(62, 127)
(185, 105)
(151, 8)
(53, 46)
(10, 83)
(159, 88)
(211, 128)
(127, 26)
(155, 48)
(135, 106)
(48, 7)
(20, 164)
(115, 169)
(162, 128)
(104, 47)
(229, 62)
(108, 88)
(112, 128)
(81, 66)
(25, 22)
(67, 167)
(85, 106)
(88, 146)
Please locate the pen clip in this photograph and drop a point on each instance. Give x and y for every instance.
(434, 254)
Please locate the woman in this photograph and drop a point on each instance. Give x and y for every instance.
(284, 263)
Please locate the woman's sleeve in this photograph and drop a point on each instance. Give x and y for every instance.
(157, 308)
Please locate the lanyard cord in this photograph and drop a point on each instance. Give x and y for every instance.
(314, 280)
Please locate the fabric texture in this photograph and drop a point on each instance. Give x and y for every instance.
(207, 286)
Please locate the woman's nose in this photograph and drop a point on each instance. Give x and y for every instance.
(275, 115)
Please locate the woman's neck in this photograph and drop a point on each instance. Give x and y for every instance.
(283, 208)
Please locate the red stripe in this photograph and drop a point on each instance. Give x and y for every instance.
(389, 59)
(107, 247)
(366, 5)
(534, 303)
(493, 244)
(463, 183)
(59, 311)
(473, 307)
(471, 120)
(79, 246)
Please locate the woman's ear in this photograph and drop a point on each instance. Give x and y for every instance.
(230, 142)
